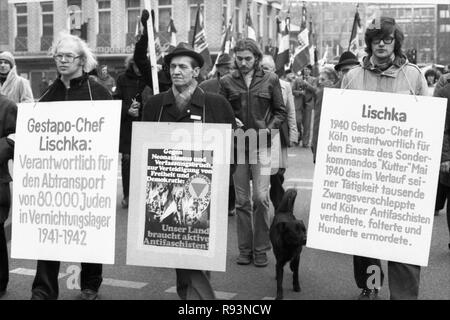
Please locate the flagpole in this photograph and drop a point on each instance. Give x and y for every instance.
(151, 48)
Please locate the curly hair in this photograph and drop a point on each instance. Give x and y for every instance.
(431, 72)
(388, 26)
(250, 45)
(90, 61)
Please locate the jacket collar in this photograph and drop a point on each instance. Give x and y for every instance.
(76, 82)
(12, 75)
(398, 63)
(170, 106)
(259, 73)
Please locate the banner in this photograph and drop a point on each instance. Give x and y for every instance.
(178, 210)
(376, 174)
(65, 181)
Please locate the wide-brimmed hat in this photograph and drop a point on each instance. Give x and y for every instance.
(346, 58)
(224, 59)
(184, 49)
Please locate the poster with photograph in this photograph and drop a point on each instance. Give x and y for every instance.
(178, 212)
(376, 174)
(65, 181)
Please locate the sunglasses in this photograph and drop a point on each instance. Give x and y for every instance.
(387, 40)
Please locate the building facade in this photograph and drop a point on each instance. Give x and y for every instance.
(109, 26)
(443, 34)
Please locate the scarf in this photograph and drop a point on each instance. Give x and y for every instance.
(382, 66)
(182, 99)
(3, 78)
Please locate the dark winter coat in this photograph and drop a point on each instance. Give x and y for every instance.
(129, 86)
(8, 115)
(79, 90)
(162, 107)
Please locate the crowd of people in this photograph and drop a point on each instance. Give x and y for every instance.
(290, 103)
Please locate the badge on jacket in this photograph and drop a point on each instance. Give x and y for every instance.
(196, 118)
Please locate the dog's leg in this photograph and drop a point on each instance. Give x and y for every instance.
(279, 269)
(294, 267)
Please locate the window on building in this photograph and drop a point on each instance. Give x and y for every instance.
(444, 28)
(193, 7)
(47, 19)
(133, 8)
(164, 14)
(444, 14)
(238, 16)
(104, 16)
(22, 20)
(259, 18)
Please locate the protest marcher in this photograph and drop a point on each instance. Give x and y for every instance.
(12, 85)
(328, 78)
(386, 69)
(106, 80)
(431, 77)
(187, 102)
(143, 62)
(346, 62)
(74, 59)
(304, 88)
(443, 91)
(288, 135)
(129, 89)
(258, 105)
(8, 115)
(224, 66)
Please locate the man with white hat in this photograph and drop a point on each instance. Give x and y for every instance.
(12, 85)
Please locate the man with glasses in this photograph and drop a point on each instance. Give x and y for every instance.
(73, 60)
(386, 69)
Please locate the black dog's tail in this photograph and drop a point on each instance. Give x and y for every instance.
(288, 201)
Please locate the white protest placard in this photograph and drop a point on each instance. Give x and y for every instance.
(376, 174)
(65, 181)
(178, 209)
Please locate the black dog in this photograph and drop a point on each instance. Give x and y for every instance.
(288, 235)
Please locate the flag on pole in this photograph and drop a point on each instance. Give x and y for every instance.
(353, 43)
(199, 42)
(282, 57)
(248, 21)
(302, 55)
(229, 37)
(173, 35)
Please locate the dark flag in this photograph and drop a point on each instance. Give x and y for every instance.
(199, 41)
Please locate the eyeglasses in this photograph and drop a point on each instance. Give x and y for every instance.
(387, 40)
(67, 57)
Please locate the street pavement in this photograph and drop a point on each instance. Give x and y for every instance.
(323, 275)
